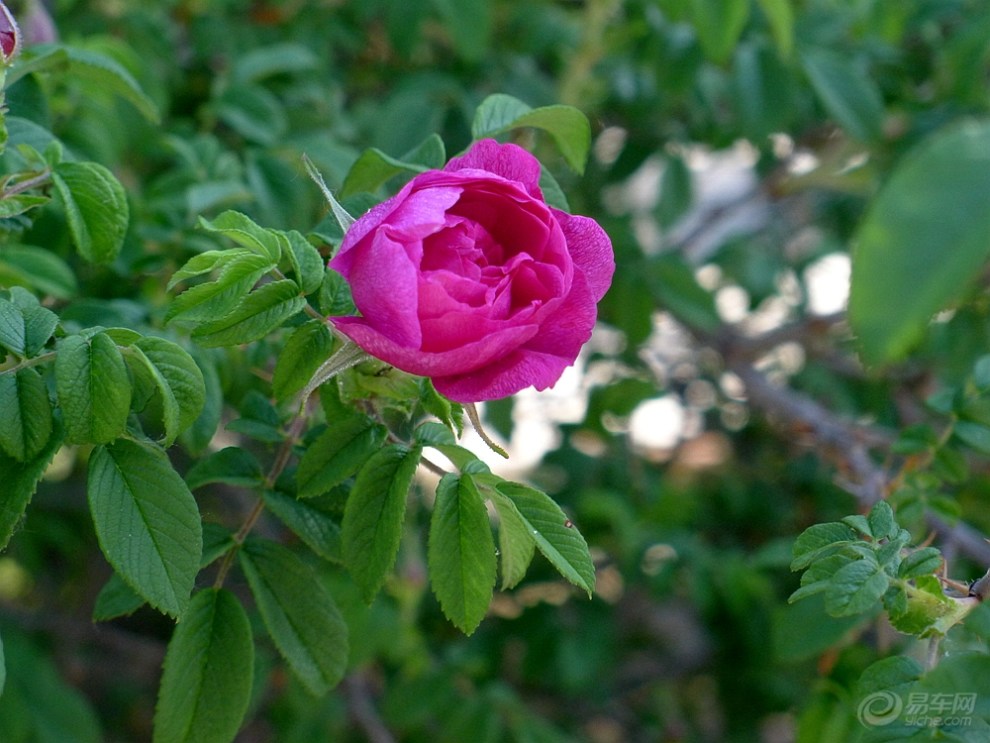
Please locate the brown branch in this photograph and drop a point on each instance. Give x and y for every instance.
(360, 705)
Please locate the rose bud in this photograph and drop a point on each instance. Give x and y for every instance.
(468, 277)
(10, 36)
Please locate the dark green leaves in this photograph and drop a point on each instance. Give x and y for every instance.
(337, 454)
(930, 220)
(255, 316)
(372, 526)
(26, 422)
(95, 208)
(846, 91)
(25, 326)
(719, 24)
(19, 481)
(93, 388)
(299, 613)
(176, 378)
(206, 684)
(461, 553)
(553, 532)
(305, 350)
(146, 521)
(567, 126)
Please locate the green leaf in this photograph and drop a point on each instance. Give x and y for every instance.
(920, 562)
(847, 92)
(178, 380)
(231, 466)
(307, 263)
(257, 315)
(147, 522)
(856, 588)
(881, 520)
(719, 24)
(93, 387)
(469, 23)
(111, 76)
(37, 268)
(253, 112)
(818, 540)
(299, 612)
(11, 206)
(116, 599)
(20, 479)
(276, 59)
(11, 327)
(929, 221)
(306, 349)
(338, 453)
(211, 260)
(372, 169)
(568, 127)
(25, 326)
(372, 527)
(555, 536)
(215, 299)
(246, 233)
(313, 526)
(780, 15)
(208, 673)
(461, 553)
(26, 422)
(516, 544)
(975, 435)
(335, 295)
(95, 207)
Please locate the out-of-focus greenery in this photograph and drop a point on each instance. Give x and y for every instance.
(850, 128)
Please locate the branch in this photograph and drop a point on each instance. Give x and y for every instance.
(358, 696)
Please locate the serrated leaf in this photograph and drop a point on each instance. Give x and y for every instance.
(555, 536)
(11, 327)
(307, 263)
(881, 520)
(147, 522)
(335, 295)
(856, 588)
(337, 453)
(246, 233)
(93, 388)
(177, 379)
(461, 553)
(568, 127)
(516, 544)
(96, 209)
(26, 422)
(313, 526)
(305, 351)
(207, 262)
(232, 465)
(372, 169)
(38, 269)
(299, 613)
(20, 480)
(208, 672)
(214, 299)
(920, 562)
(116, 599)
(929, 220)
(257, 315)
(817, 540)
(39, 325)
(111, 76)
(372, 527)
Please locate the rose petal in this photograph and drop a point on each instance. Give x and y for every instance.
(507, 160)
(383, 285)
(430, 364)
(568, 326)
(590, 249)
(505, 377)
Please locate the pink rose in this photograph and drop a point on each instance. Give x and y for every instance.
(468, 277)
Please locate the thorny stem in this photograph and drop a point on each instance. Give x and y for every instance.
(278, 466)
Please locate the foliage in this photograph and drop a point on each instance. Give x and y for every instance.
(182, 437)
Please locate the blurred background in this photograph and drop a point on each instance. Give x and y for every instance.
(736, 144)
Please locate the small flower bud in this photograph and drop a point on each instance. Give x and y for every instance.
(10, 35)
